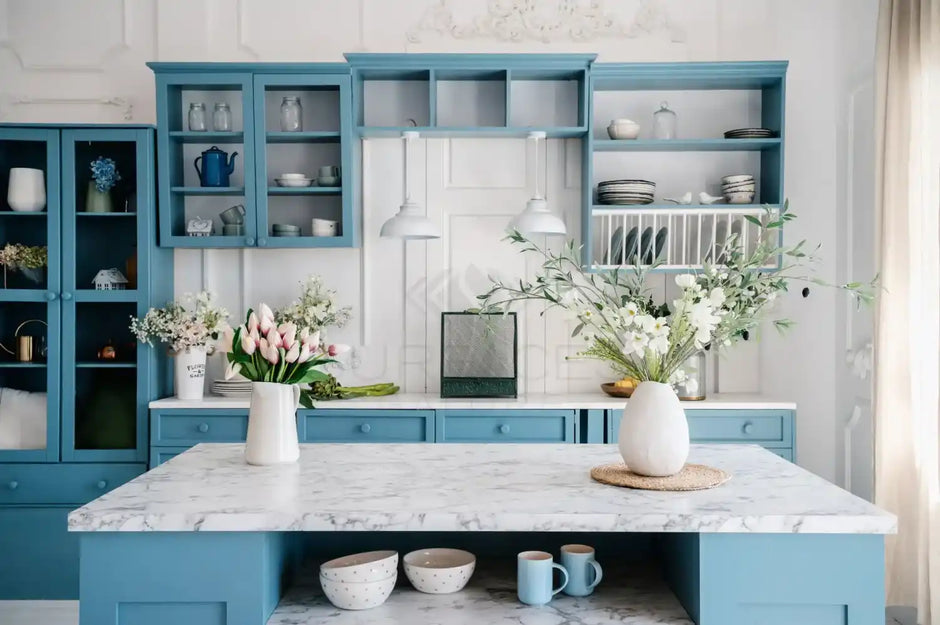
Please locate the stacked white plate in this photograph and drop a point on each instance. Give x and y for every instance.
(625, 192)
(750, 133)
(738, 189)
(293, 180)
(232, 388)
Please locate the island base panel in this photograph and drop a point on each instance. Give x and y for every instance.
(239, 578)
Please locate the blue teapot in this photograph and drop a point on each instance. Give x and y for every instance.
(216, 167)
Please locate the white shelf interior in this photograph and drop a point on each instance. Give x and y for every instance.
(210, 98)
(320, 107)
(490, 598)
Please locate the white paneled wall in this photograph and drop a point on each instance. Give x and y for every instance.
(82, 60)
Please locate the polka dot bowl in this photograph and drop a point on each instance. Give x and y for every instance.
(369, 566)
(439, 571)
(358, 595)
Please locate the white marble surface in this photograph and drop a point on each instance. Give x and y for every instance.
(415, 401)
(469, 487)
(490, 599)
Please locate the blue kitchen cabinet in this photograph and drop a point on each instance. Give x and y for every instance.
(185, 428)
(773, 429)
(96, 409)
(368, 426)
(507, 426)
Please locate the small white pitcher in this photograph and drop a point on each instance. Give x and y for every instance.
(272, 424)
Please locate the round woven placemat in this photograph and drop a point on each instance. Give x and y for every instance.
(691, 477)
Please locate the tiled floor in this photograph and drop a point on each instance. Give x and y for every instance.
(66, 613)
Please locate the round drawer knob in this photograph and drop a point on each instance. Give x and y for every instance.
(365, 428)
(51, 296)
(13, 484)
(262, 242)
(203, 427)
(66, 296)
(748, 428)
(504, 429)
(102, 484)
(249, 241)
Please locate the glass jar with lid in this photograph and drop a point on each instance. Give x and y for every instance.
(222, 118)
(291, 114)
(197, 117)
(664, 122)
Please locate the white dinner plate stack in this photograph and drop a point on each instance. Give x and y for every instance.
(750, 133)
(236, 388)
(625, 192)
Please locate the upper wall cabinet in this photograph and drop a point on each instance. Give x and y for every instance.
(255, 155)
(470, 94)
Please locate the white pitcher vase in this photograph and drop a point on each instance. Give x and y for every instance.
(191, 373)
(654, 433)
(272, 424)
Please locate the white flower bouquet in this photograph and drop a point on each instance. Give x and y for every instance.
(316, 308)
(193, 322)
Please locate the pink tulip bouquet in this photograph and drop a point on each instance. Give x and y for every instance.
(263, 351)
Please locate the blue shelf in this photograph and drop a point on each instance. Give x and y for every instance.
(472, 131)
(22, 365)
(303, 137)
(305, 241)
(91, 295)
(96, 215)
(106, 365)
(685, 145)
(208, 190)
(679, 208)
(23, 295)
(13, 213)
(188, 136)
(305, 190)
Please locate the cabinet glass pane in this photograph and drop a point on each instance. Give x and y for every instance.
(106, 240)
(20, 226)
(23, 376)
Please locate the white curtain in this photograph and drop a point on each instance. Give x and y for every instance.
(907, 357)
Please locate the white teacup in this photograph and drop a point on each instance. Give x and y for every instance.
(323, 227)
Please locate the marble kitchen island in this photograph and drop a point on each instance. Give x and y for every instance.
(207, 539)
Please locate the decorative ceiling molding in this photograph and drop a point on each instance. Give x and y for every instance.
(520, 21)
(126, 105)
(123, 44)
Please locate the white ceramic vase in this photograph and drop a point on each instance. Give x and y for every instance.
(654, 433)
(27, 190)
(191, 373)
(272, 424)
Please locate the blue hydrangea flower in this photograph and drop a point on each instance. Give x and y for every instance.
(105, 173)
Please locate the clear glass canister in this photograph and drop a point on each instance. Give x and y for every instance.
(693, 386)
(664, 122)
(222, 118)
(291, 114)
(197, 117)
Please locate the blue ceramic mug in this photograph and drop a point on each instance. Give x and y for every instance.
(534, 577)
(584, 572)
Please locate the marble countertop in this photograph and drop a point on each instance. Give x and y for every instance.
(534, 401)
(469, 487)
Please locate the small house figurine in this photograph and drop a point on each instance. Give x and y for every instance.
(199, 227)
(110, 280)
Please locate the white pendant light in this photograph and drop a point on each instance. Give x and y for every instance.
(410, 222)
(537, 218)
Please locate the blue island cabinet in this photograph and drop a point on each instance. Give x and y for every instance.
(73, 419)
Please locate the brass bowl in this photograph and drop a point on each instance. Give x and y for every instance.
(617, 391)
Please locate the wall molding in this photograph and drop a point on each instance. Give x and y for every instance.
(126, 105)
(524, 21)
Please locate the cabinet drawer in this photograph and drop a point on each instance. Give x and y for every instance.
(714, 426)
(182, 429)
(62, 483)
(159, 455)
(380, 426)
(513, 426)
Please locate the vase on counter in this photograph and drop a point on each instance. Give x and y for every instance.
(654, 433)
(190, 373)
(272, 424)
(98, 201)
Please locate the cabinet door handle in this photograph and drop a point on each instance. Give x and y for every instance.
(203, 427)
(66, 296)
(249, 241)
(748, 428)
(262, 242)
(504, 429)
(102, 484)
(365, 428)
(13, 485)
(50, 295)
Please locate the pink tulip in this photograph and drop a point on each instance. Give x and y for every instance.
(288, 333)
(228, 336)
(263, 347)
(305, 354)
(337, 349)
(274, 339)
(267, 319)
(232, 370)
(313, 340)
(254, 335)
(293, 353)
(248, 345)
(272, 355)
(304, 333)
(252, 322)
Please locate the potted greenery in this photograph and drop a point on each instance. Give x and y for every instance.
(26, 259)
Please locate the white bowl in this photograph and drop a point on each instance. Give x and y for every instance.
(623, 129)
(358, 595)
(368, 566)
(294, 182)
(740, 197)
(737, 178)
(439, 571)
(738, 188)
(294, 176)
